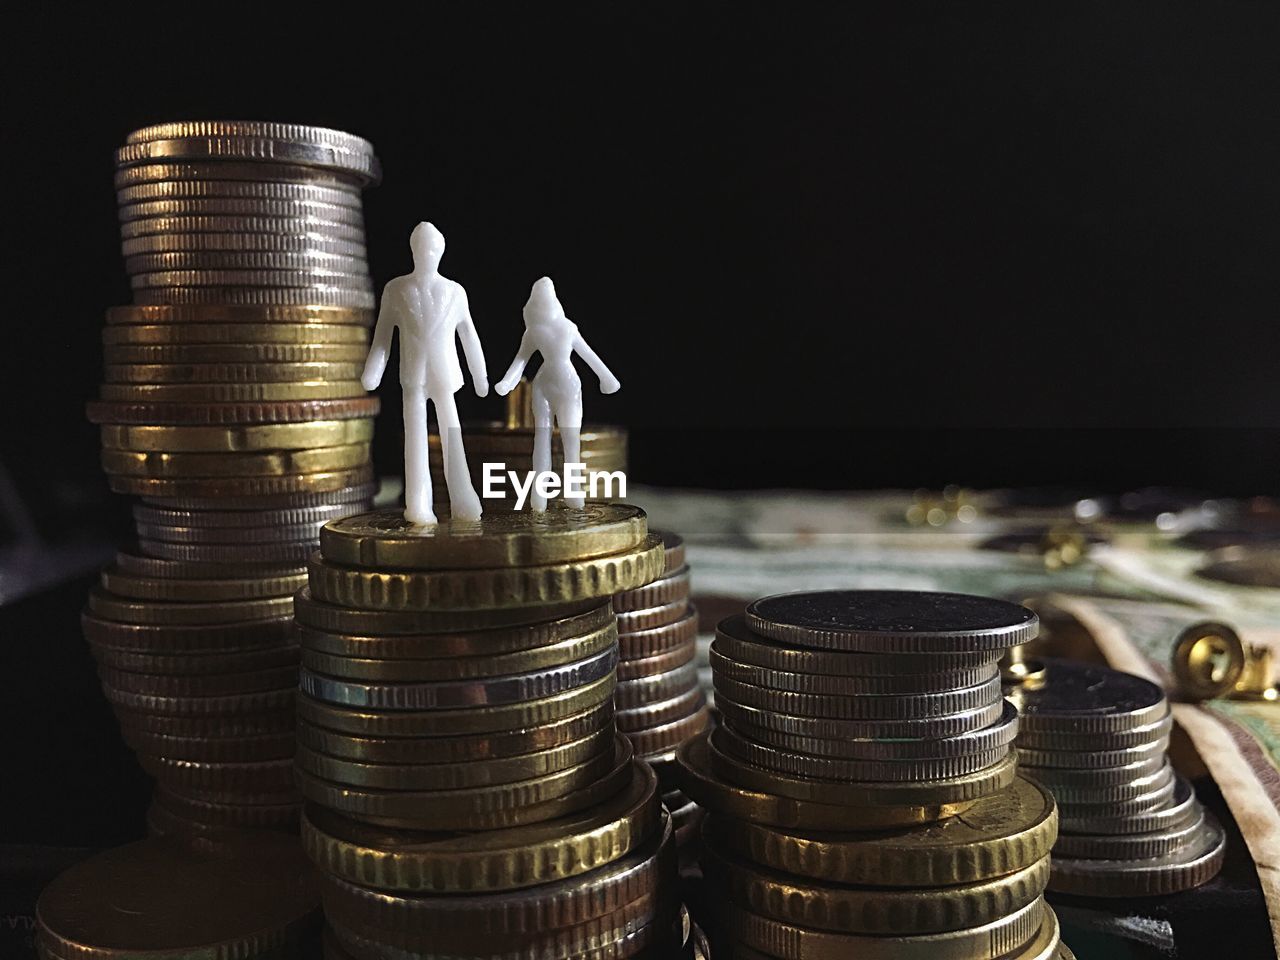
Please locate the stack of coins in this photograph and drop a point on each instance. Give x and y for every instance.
(252, 897)
(469, 795)
(660, 703)
(245, 213)
(233, 408)
(1131, 826)
(862, 792)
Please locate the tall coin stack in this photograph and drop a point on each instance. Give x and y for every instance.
(862, 792)
(660, 703)
(469, 795)
(232, 406)
(1131, 826)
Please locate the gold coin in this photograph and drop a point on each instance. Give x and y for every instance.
(446, 668)
(843, 909)
(1000, 834)
(159, 612)
(230, 392)
(270, 463)
(637, 644)
(499, 588)
(124, 584)
(694, 776)
(202, 353)
(443, 723)
(232, 333)
(430, 633)
(663, 740)
(218, 488)
(256, 897)
(641, 621)
(456, 749)
(856, 793)
(636, 873)
(466, 775)
(498, 539)
(503, 859)
(995, 940)
(221, 313)
(637, 667)
(271, 436)
(479, 808)
(230, 372)
(658, 712)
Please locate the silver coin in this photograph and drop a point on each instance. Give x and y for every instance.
(1157, 798)
(446, 695)
(656, 713)
(751, 719)
(1190, 865)
(1091, 759)
(253, 278)
(892, 621)
(1179, 809)
(849, 686)
(1075, 741)
(634, 668)
(825, 768)
(1088, 793)
(916, 707)
(266, 533)
(143, 514)
(658, 687)
(238, 189)
(737, 641)
(316, 295)
(1088, 777)
(631, 621)
(290, 132)
(231, 170)
(359, 494)
(666, 589)
(1131, 846)
(984, 740)
(297, 227)
(230, 553)
(359, 162)
(299, 260)
(240, 243)
(241, 207)
(1083, 697)
(662, 741)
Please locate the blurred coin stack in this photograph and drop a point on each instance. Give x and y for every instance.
(509, 442)
(861, 792)
(1097, 738)
(468, 794)
(660, 703)
(232, 406)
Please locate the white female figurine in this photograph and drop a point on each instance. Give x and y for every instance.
(430, 311)
(557, 391)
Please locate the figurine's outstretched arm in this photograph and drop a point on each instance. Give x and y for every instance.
(523, 355)
(608, 382)
(375, 365)
(472, 350)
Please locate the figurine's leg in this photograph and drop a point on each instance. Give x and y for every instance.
(464, 504)
(417, 468)
(569, 420)
(541, 442)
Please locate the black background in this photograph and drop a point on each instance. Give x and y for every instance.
(1014, 244)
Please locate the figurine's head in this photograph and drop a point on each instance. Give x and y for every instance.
(427, 244)
(542, 298)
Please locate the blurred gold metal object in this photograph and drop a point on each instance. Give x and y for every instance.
(1016, 668)
(936, 509)
(1062, 547)
(520, 407)
(1210, 660)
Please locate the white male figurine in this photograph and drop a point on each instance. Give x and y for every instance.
(430, 311)
(557, 391)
